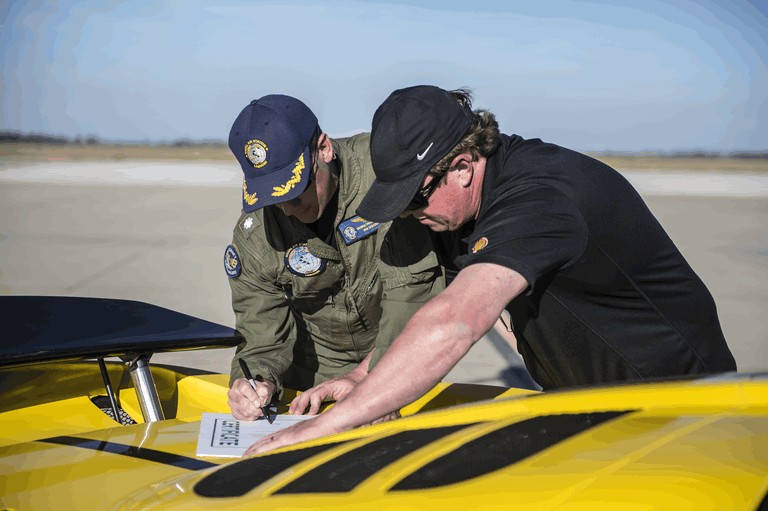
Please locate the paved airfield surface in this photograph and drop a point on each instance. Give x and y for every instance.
(156, 232)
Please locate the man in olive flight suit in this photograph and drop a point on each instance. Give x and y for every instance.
(317, 292)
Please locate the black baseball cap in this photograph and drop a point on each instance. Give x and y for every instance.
(412, 130)
(271, 140)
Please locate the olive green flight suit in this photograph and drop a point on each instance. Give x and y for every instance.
(309, 311)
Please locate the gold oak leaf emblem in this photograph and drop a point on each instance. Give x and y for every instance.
(251, 198)
(281, 190)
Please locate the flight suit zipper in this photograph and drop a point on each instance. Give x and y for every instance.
(350, 297)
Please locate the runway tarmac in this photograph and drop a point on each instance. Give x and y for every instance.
(156, 232)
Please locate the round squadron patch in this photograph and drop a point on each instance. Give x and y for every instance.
(300, 261)
(256, 152)
(479, 245)
(232, 262)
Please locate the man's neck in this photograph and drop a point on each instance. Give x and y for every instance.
(326, 225)
(476, 199)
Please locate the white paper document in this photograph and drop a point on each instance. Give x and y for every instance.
(221, 435)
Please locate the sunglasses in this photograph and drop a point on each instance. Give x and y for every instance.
(421, 199)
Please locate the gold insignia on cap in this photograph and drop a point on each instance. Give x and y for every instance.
(283, 189)
(256, 152)
(479, 245)
(251, 198)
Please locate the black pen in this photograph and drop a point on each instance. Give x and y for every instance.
(247, 374)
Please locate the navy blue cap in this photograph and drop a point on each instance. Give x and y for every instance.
(412, 130)
(271, 141)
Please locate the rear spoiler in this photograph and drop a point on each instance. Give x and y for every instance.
(49, 328)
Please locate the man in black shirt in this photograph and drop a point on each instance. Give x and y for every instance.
(596, 289)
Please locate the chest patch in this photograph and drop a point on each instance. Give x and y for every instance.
(232, 262)
(356, 228)
(300, 261)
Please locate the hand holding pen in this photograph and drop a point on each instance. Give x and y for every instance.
(247, 373)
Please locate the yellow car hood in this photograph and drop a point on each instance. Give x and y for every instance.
(700, 444)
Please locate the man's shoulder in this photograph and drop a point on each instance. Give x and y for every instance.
(248, 224)
(268, 231)
(356, 147)
(544, 158)
(250, 234)
(355, 155)
(360, 142)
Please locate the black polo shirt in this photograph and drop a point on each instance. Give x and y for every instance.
(610, 297)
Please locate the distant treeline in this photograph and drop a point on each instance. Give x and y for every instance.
(39, 138)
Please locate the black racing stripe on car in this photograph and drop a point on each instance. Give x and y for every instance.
(462, 393)
(131, 451)
(763, 505)
(502, 448)
(346, 471)
(237, 479)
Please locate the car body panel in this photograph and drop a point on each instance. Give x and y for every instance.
(686, 444)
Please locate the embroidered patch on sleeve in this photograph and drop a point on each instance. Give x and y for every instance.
(232, 264)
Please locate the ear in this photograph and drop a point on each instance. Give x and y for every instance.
(465, 171)
(324, 148)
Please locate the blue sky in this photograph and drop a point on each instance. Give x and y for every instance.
(598, 75)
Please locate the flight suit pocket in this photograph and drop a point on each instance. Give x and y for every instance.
(309, 294)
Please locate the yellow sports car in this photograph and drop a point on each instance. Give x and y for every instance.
(123, 434)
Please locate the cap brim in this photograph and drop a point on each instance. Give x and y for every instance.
(279, 186)
(385, 201)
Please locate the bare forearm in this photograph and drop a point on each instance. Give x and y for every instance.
(429, 346)
(432, 342)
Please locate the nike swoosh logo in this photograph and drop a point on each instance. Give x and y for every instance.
(422, 155)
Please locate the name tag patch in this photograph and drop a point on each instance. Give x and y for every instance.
(357, 228)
